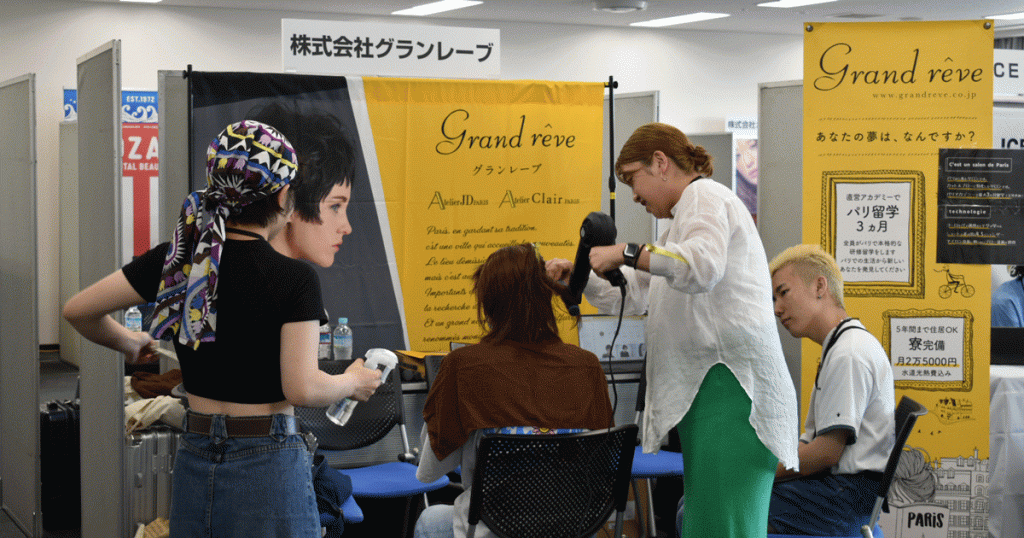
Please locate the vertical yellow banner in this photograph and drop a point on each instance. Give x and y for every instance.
(880, 100)
(472, 166)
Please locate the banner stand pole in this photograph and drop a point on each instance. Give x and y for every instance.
(188, 75)
(611, 85)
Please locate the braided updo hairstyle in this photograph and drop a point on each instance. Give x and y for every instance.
(652, 137)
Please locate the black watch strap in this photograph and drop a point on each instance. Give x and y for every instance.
(631, 254)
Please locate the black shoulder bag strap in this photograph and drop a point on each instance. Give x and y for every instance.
(839, 330)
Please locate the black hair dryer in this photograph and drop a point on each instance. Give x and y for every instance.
(597, 230)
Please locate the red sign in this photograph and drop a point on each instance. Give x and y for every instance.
(140, 173)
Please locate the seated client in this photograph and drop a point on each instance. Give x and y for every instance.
(520, 374)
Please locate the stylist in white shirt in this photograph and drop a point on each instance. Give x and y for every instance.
(715, 366)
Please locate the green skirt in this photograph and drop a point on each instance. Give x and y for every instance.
(728, 471)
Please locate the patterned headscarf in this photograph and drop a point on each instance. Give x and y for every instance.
(247, 161)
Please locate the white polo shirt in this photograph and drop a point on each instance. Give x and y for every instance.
(855, 391)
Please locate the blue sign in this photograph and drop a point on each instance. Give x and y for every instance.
(136, 106)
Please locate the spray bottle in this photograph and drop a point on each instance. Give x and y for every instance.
(382, 359)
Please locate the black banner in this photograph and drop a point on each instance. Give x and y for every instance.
(980, 199)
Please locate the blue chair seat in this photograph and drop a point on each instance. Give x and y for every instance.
(389, 480)
(664, 463)
(350, 512)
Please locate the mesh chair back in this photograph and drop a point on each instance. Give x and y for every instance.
(370, 422)
(907, 412)
(551, 486)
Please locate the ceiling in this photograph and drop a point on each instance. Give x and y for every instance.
(745, 15)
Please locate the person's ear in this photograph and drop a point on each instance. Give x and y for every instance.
(821, 287)
(285, 200)
(659, 160)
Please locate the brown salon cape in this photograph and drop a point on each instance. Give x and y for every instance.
(547, 385)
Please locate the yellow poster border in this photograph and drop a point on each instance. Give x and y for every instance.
(967, 384)
(914, 288)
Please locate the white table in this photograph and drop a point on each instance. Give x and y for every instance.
(1006, 452)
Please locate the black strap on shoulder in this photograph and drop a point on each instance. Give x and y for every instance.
(243, 232)
(839, 330)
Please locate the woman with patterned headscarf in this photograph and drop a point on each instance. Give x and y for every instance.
(245, 324)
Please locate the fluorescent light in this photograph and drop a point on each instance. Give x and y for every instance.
(436, 7)
(681, 19)
(1007, 17)
(793, 3)
(143, 1)
(620, 6)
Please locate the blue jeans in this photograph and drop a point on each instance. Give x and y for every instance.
(435, 522)
(823, 505)
(258, 487)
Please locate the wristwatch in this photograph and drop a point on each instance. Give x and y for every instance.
(631, 254)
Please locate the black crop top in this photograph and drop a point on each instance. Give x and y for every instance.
(259, 290)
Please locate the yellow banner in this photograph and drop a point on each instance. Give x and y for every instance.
(472, 166)
(880, 100)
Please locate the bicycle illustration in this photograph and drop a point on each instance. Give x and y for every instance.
(954, 284)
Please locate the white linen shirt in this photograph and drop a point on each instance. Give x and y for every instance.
(855, 391)
(716, 309)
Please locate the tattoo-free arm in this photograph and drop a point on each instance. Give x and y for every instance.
(89, 313)
(823, 452)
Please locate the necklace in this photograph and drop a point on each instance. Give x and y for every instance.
(244, 232)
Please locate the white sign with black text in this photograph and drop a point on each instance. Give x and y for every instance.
(358, 48)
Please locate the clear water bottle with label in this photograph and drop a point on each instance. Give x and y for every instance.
(324, 350)
(133, 319)
(342, 341)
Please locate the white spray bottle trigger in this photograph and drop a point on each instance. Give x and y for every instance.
(378, 357)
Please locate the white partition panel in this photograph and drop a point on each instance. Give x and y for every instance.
(19, 331)
(69, 339)
(102, 370)
(780, 183)
(173, 140)
(632, 222)
(720, 147)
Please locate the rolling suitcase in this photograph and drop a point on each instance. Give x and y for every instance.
(60, 465)
(149, 456)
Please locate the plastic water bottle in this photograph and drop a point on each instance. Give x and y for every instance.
(381, 359)
(324, 350)
(133, 319)
(342, 341)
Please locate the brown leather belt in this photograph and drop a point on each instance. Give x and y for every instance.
(260, 426)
